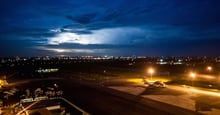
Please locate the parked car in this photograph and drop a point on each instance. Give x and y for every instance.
(157, 84)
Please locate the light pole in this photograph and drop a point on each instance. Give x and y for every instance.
(151, 71)
(192, 75)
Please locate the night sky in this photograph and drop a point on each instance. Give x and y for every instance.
(109, 27)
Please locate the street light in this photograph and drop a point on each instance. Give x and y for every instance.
(209, 68)
(192, 75)
(151, 71)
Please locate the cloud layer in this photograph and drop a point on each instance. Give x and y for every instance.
(99, 27)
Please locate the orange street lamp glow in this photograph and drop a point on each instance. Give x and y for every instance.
(209, 68)
(192, 75)
(151, 71)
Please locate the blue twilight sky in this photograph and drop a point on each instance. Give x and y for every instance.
(109, 27)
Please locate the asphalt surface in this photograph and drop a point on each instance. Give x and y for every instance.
(99, 100)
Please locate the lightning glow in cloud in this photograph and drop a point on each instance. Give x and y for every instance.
(64, 50)
(103, 36)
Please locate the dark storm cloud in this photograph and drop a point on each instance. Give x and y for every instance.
(14, 48)
(128, 25)
(83, 19)
(192, 15)
(29, 34)
(127, 13)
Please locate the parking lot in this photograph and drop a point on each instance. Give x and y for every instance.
(192, 98)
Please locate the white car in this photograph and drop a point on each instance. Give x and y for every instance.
(157, 84)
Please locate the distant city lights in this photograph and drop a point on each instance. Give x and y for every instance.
(47, 70)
